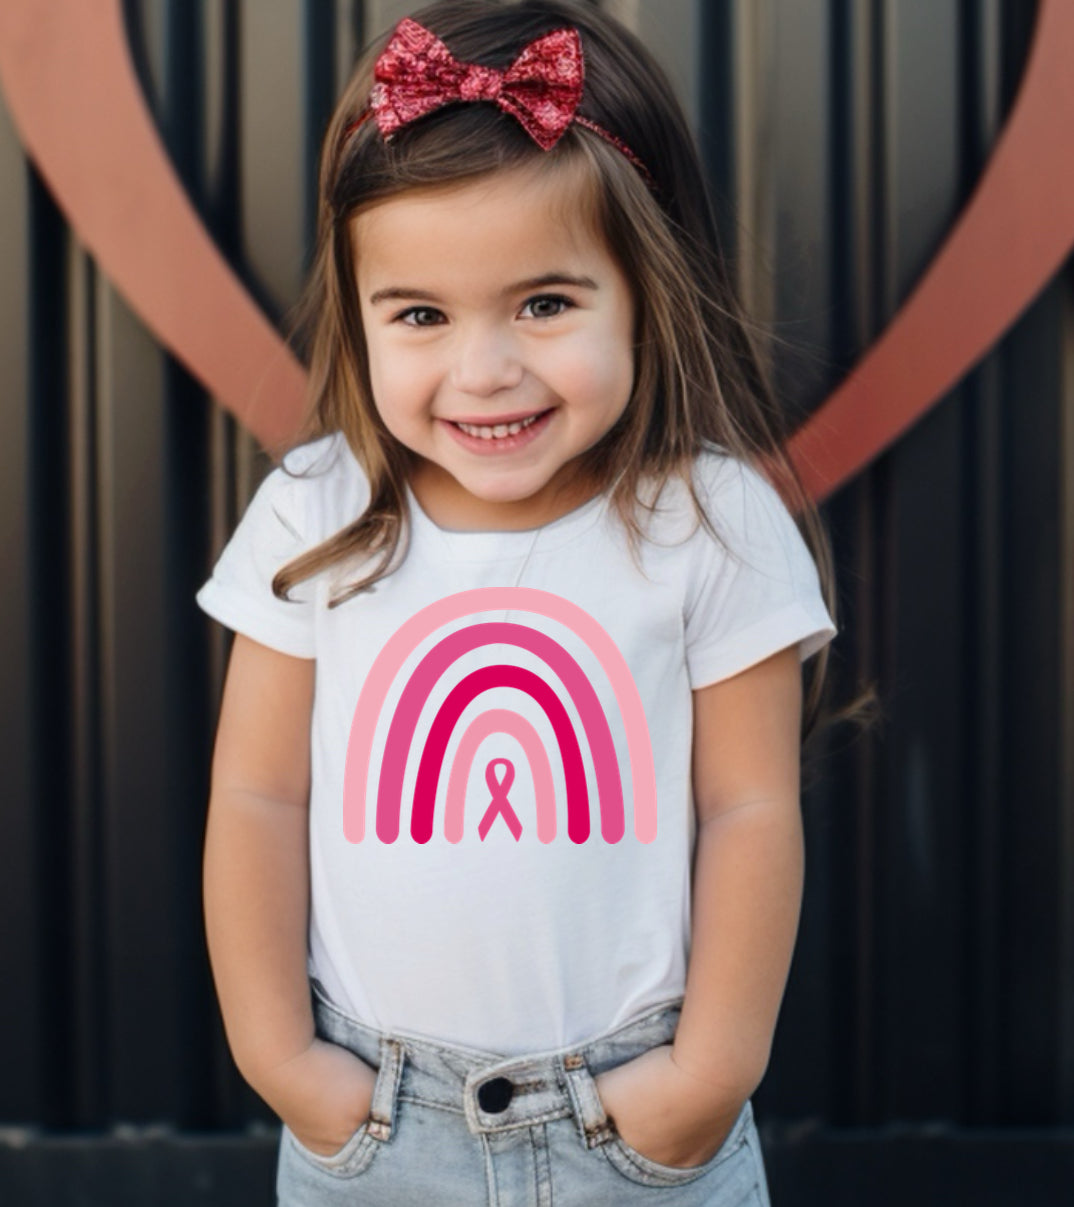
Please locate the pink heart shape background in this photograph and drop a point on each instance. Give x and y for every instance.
(70, 83)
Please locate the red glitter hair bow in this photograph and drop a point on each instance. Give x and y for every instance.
(417, 74)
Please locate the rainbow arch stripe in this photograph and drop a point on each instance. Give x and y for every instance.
(501, 720)
(438, 660)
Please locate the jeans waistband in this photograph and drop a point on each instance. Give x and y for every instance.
(496, 1093)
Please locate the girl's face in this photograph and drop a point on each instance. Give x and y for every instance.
(485, 306)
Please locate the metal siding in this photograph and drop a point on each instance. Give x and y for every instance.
(1032, 838)
(271, 117)
(983, 391)
(23, 1091)
(934, 975)
(919, 857)
(1065, 643)
(847, 834)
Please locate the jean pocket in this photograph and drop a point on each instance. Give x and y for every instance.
(737, 1171)
(372, 1133)
(352, 1159)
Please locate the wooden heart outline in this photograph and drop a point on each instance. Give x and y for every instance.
(70, 84)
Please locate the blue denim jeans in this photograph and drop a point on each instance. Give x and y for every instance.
(456, 1127)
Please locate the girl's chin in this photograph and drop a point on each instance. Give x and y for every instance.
(506, 500)
(509, 506)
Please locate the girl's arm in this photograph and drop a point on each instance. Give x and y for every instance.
(677, 1103)
(256, 884)
(748, 872)
(256, 893)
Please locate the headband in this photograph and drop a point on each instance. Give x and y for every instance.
(416, 74)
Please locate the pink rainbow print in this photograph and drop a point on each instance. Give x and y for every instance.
(417, 690)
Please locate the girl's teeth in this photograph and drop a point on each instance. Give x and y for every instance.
(500, 430)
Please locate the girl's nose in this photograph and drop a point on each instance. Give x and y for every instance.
(486, 360)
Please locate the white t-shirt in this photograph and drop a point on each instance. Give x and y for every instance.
(501, 816)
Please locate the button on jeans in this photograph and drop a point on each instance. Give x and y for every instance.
(455, 1127)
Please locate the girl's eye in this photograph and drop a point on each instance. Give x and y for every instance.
(548, 306)
(420, 316)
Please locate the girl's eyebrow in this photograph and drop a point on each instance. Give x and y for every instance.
(399, 293)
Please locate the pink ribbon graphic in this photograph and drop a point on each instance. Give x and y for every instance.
(500, 804)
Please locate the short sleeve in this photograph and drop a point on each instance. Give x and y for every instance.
(239, 592)
(755, 592)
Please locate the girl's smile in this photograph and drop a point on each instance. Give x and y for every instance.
(500, 336)
(503, 437)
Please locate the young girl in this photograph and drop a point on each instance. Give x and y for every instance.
(504, 856)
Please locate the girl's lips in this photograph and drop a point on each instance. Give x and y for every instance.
(483, 421)
(500, 444)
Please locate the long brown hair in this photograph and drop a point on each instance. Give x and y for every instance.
(698, 378)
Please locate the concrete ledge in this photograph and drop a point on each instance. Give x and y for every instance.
(807, 1166)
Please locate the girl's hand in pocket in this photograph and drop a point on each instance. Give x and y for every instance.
(323, 1095)
(664, 1113)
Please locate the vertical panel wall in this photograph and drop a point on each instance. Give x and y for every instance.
(934, 978)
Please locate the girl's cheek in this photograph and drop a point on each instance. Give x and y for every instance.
(402, 382)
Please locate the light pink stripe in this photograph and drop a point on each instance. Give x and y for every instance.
(500, 720)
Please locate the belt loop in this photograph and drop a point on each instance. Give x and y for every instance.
(382, 1108)
(588, 1108)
